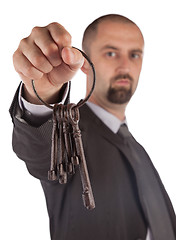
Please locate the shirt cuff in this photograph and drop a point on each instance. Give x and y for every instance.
(38, 110)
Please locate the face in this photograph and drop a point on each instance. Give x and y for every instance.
(116, 52)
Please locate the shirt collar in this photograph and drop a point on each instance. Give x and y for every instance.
(112, 122)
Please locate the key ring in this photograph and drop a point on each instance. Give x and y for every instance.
(82, 101)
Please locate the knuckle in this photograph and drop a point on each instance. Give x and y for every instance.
(36, 30)
(23, 43)
(41, 64)
(54, 24)
(15, 58)
(27, 71)
(38, 61)
(66, 37)
(61, 36)
(51, 49)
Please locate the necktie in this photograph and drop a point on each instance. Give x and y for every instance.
(149, 189)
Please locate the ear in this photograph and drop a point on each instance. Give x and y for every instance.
(86, 67)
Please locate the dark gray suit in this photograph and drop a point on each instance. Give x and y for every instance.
(118, 214)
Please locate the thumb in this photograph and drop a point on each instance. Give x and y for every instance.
(72, 57)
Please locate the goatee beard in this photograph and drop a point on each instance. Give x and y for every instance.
(120, 95)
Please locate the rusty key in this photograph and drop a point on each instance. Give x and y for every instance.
(68, 141)
(73, 116)
(52, 173)
(62, 166)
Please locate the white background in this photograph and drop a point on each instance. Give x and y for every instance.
(151, 114)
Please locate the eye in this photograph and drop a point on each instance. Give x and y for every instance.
(111, 54)
(135, 55)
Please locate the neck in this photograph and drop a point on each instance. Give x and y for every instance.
(118, 110)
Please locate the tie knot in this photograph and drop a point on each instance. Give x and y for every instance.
(123, 131)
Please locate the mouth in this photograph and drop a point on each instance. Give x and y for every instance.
(122, 82)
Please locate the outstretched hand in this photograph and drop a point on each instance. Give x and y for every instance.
(47, 57)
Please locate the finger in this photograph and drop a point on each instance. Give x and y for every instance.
(73, 58)
(60, 35)
(72, 61)
(35, 56)
(24, 67)
(44, 41)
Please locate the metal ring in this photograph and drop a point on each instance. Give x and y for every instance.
(82, 101)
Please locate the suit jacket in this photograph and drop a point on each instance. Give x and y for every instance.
(118, 214)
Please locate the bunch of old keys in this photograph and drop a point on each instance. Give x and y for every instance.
(67, 151)
(67, 142)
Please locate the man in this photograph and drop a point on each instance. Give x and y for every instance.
(131, 202)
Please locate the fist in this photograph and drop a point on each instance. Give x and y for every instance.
(47, 57)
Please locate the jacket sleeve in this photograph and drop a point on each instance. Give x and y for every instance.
(32, 144)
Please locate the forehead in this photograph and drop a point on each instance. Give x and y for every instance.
(120, 35)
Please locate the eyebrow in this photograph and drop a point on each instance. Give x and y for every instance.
(138, 50)
(109, 47)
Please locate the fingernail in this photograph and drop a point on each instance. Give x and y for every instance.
(71, 54)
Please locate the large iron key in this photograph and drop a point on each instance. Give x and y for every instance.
(68, 142)
(52, 173)
(73, 116)
(62, 166)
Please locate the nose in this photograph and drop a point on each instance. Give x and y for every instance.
(123, 65)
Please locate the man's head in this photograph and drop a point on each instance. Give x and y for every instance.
(115, 45)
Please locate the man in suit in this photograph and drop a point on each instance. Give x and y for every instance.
(131, 202)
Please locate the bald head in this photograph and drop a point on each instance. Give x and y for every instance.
(91, 31)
